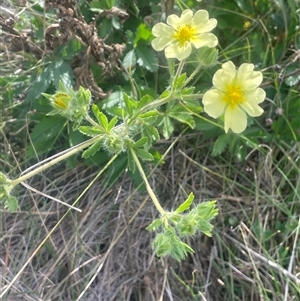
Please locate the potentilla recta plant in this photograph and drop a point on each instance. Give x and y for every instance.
(139, 124)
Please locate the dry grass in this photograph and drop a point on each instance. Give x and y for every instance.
(105, 253)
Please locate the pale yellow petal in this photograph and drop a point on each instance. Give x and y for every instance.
(164, 35)
(213, 104)
(180, 53)
(235, 119)
(255, 96)
(248, 78)
(224, 76)
(175, 21)
(205, 39)
(159, 44)
(200, 17)
(205, 27)
(253, 110)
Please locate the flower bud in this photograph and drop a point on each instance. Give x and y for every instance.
(207, 56)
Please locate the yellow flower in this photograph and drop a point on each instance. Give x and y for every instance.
(61, 100)
(176, 37)
(234, 94)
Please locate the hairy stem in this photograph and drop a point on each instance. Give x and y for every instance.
(148, 187)
(57, 158)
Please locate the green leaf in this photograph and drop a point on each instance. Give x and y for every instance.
(143, 154)
(112, 123)
(205, 227)
(91, 151)
(63, 72)
(166, 126)
(180, 114)
(152, 132)
(129, 61)
(131, 162)
(39, 84)
(11, 203)
(144, 101)
(148, 114)
(187, 91)
(192, 105)
(220, 145)
(90, 131)
(142, 33)
(147, 58)
(156, 224)
(203, 125)
(47, 129)
(141, 142)
(207, 210)
(130, 104)
(101, 118)
(180, 83)
(187, 203)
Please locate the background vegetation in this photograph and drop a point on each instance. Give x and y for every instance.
(104, 253)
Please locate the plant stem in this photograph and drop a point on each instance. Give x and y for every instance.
(148, 187)
(193, 74)
(178, 72)
(92, 122)
(58, 157)
(159, 102)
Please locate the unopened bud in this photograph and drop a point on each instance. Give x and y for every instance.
(207, 56)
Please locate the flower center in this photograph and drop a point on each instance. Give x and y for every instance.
(184, 34)
(234, 95)
(62, 100)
